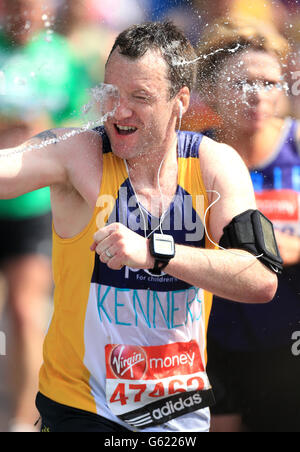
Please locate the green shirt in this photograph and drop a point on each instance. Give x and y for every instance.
(43, 76)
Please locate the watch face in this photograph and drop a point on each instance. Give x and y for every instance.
(269, 239)
(163, 245)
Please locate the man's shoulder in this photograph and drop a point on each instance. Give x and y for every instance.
(218, 161)
(210, 152)
(214, 153)
(79, 153)
(73, 150)
(71, 139)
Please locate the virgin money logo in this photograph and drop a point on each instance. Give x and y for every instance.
(128, 362)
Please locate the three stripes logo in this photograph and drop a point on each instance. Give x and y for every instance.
(164, 410)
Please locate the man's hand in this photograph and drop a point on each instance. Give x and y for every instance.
(118, 246)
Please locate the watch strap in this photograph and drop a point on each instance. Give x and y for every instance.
(159, 266)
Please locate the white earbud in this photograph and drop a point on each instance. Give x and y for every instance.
(180, 114)
(180, 110)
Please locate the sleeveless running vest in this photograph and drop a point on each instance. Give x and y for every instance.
(126, 344)
(238, 326)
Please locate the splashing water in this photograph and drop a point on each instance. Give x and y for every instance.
(105, 98)
(104, 102)
(48, 24)
(253, 88)
(247, 88)
(176, 61)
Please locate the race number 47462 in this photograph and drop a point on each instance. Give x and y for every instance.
(120, 394)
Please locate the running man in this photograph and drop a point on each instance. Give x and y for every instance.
(250, 346)
(125, 349)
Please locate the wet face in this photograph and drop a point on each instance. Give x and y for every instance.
(145, 118)
(249, 87)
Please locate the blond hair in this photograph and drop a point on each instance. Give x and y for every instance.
(226, 38)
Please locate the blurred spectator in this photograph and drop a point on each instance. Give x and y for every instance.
(92, 26)
(25, 225)
(265, 13)
(43, 85)
(160, 8)
(29, 52)
(292, 33)
(181, 12)
(82, 24)
(251, 362)
(292, 5)
(119, 14)
(272, 12)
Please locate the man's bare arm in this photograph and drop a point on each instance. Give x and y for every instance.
(35, 164)
(232, 274)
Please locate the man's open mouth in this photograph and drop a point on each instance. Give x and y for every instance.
(125, 130)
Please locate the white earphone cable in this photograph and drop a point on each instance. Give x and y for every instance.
(164, 210)
(142, 208)
(207, 235)
(180, 116)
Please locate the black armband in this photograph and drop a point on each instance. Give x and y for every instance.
(253, 232)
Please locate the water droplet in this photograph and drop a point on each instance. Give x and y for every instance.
(20, 81)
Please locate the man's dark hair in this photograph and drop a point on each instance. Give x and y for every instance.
(175, 48)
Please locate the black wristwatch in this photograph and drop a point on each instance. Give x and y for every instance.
(162, 248)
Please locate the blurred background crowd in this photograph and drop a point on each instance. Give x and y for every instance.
(52, 52)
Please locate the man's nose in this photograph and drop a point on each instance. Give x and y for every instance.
(123, 110)
(258, 94)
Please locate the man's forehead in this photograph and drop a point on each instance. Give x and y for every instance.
(257, 64)
(150, 66)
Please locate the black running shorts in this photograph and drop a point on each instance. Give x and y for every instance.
(25, 236)
(57, 418)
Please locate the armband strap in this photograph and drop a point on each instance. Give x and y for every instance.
(253, 232)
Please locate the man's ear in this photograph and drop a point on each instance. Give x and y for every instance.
(183, 103)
